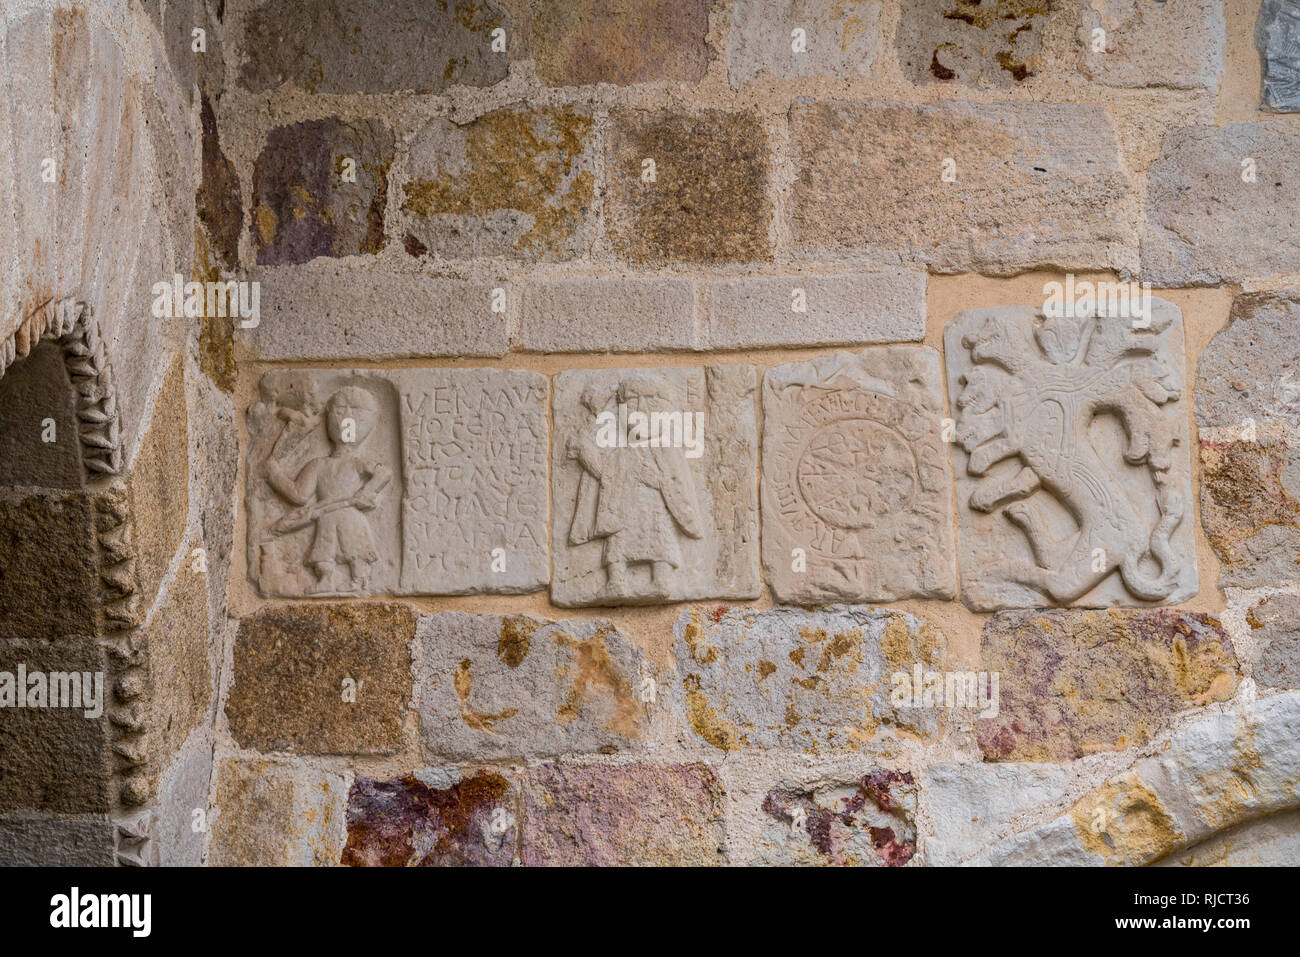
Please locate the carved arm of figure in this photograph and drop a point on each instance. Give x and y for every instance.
(297, 489)
(581, 449)
(378, 477)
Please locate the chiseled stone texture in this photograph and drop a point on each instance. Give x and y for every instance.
(1250, 508)
(183, 789)
(708, 202)
(1268, 842)
(507, 686)
(515, 182)
(306, 201)
(798, 311)
(609, 315)
(1250, 371)
(1071, 456)
(49, 580)
(322, 679)
(808, 680)
(276, 815)
(640, 524)
(581, 42)
(431, 820)
(372, 46)
(971, 805)
(158, 487)
(1213, 775)
(1205, 224)
(32, 391)
(323, 311)
(1277, 35)
(856, 492)
(870, 821)
(1275, 626)
(1073, 683)
(595, 815)
(839, 39)
(995, 43)
(56, 842)
(1175, 45)
(869, 182)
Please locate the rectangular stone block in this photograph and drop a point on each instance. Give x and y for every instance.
(494, 687)
(654, 486)
(836, 41)
(1248, 377)
(998, 188)
(322, 679)
(609, 315)
(1173, 45)
(323, 311)
(48, 564)
(33, 390)
(1214, 217)
(804, 680)
(688, 187)
(1066, 678)
(410, 481)
(797, 311)
(1275, 627)
(515, 182)
(1250, 507)
(372, 46)
(589, 815)
(856, 492)
(270, 814)
(994, 43)
(971, 805)
(56, 842)
(1277, 35)
(1071, 456)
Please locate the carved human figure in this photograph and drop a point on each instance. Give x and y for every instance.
(639, 498)
(333, 492)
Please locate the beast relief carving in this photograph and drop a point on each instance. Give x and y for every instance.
(654, 489)
(1070, 448)
(856, 494)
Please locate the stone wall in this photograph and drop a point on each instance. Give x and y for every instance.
(928, 573)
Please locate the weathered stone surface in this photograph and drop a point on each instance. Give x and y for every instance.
(1249, 374)
(1269, 842)
(182, 790)
(158, 489)
(866, 822)
(216, 458)
(1277, 35)
(372, 46)
(322, 679)
(515, 182)
(630, 814)
(319, 189)
(56, 842)
(813, 681)
(856, 493)
(609, 315)
(55, 759)
(276, 815)
(323, 311)
(580, 42)
(1250, 508)
(700, 207)
(856, 309)
(839, 40)
(48, 567)
(997, 43)
(1073, 683)
(39, 437)
(1275, 626)
(217, 202)
(869, 180)
(420, 820)
(1212, 218)
(1071, 455)
(970, 805)
(646, 510)
(1174, 45)
(496, 686)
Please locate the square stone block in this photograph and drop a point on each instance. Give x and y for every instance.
(856, 492)
(654, 486)
(1071, 455)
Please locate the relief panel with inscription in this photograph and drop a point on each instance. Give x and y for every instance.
(654, 486)
(1071, 456)
(856, 493)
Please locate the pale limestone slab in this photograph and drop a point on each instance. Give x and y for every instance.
(795, 38)
(610, 315)
(636, 524)
(1071, 456)
(856, 491)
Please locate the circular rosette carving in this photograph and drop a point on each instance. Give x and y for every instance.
(854, 473)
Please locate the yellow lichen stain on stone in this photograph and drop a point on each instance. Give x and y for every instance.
(478, 720)
(765, 668)
(516, 637)
(842, 644)
(797, 657)
(901, 649)
(266, 221)
(708, 724)
(594, 670)
(692, 633)
(1125, 823)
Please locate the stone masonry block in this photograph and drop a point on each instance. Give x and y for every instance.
(785, 39)
(609, 315)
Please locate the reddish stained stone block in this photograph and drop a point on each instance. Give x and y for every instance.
(871, 821)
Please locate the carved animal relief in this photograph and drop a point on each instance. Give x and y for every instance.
(1071, 455)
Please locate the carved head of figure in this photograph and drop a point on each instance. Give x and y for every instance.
(350, 416)
(646, 393)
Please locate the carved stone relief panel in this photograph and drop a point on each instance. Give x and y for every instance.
(1071, 455)
(1277, 35)
(654, 486)
(856, 493)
